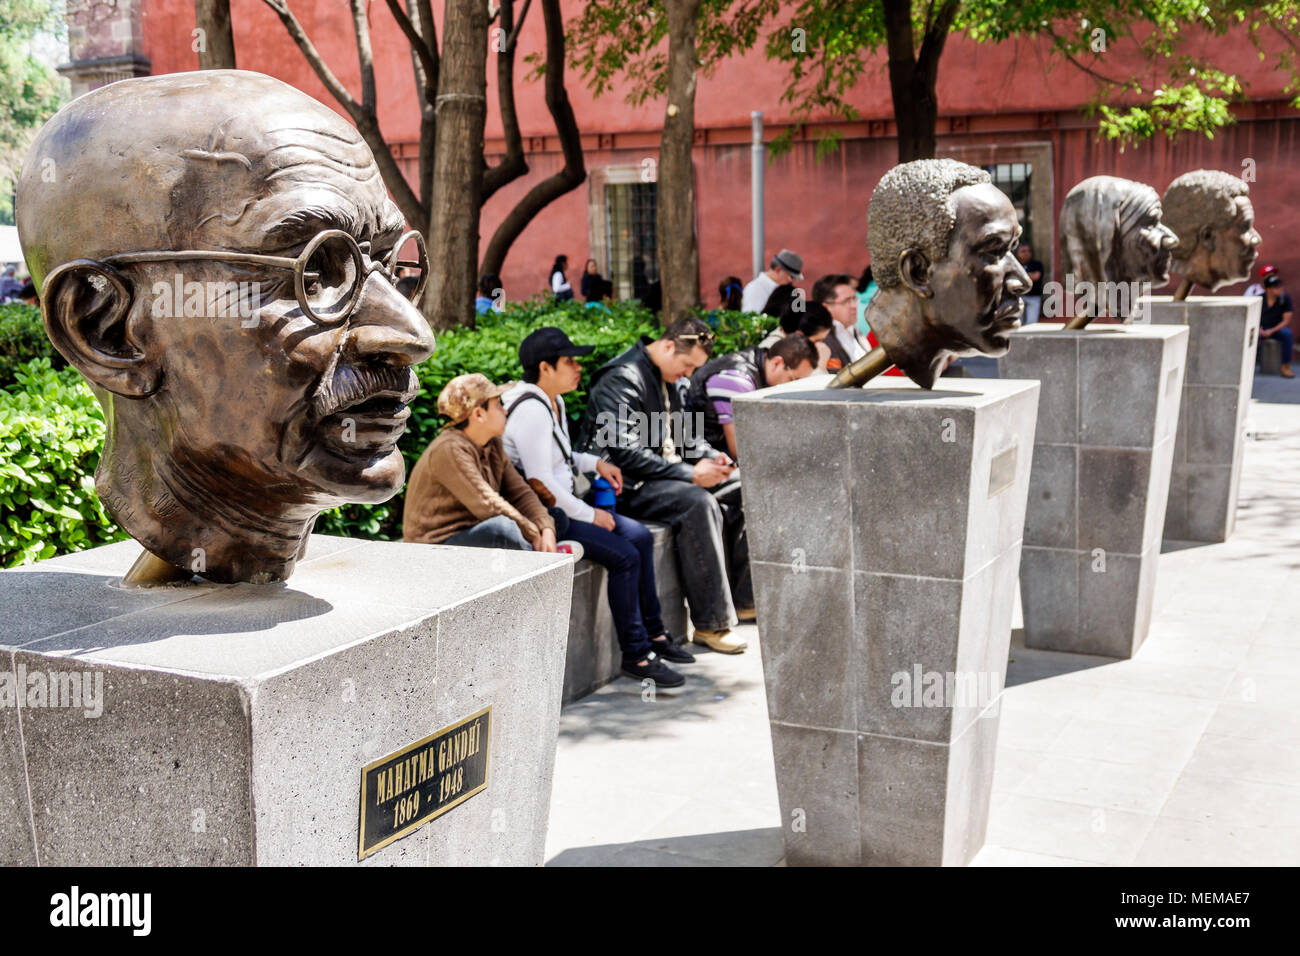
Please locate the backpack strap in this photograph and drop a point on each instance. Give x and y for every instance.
(568, 457)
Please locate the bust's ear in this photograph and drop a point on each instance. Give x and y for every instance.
(915, 271)
(1207, 237)
(86, 306)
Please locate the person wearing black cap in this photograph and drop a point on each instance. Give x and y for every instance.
(1275, 320)
(537, 441)
(786, 268)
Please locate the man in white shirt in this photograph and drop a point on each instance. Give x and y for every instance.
(537, 442)
(845, 342)
(785, 268)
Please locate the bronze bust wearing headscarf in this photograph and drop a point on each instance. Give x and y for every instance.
(228, 429)
(1111, 231)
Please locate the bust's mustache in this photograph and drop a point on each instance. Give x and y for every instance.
(354, 384)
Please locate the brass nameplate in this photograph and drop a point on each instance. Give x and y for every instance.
(1002, 473)
(424, 780)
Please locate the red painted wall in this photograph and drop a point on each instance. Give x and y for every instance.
(996, 94)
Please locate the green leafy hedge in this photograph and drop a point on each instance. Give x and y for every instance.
(51, 433)
(22, 338)
(51, 427)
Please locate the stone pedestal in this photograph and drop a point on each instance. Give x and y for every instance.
(1223, 333)
(1105, 446)
(235, 720)
(884, 532)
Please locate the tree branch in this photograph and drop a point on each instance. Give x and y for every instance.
(427, 60)
(574, 171)
(513, 165)
(366, 122)
(365, 55)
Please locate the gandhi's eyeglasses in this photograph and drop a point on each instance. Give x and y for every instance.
(327, 275)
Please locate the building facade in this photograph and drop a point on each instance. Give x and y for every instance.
(1009, 107)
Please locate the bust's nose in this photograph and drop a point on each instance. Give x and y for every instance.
(1168, 238)
(1017, 281)
(387, 327)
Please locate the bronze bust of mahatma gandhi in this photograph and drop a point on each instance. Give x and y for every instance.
(1215, 222)
(216, 254)
(1111, 231)
(943, 240)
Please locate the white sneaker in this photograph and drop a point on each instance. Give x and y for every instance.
(570, 547)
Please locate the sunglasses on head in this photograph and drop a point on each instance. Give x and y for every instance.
(703, 338)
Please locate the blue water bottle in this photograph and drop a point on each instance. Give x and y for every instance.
(604, 494)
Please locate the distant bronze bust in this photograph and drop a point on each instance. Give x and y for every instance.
(1215, 222)
(216, 254)
(942, 239)
(1112, 231)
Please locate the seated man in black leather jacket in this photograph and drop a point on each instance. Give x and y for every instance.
(673, 476)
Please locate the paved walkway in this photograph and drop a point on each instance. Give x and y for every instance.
(1189, 754)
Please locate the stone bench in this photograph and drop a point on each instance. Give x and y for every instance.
(593, 658)
(1270, 356)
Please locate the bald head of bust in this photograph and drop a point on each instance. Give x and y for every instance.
(227, 433)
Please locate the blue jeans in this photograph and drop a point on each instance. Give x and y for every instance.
(1286, 339)
(498, 532)
(627, 554)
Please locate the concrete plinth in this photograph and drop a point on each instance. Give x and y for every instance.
(1102, 459)
(884, 532)
(236, 719)
(1223, 333)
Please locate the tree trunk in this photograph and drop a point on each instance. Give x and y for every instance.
(914, 74)
(218, 47)
(457, 165)
(574, 171)
(678, 251)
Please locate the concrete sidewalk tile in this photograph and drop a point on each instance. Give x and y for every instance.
(1257, 721)
(1098, 783)
(1125, 705)
(1001, 856)
(1030, 731)
(1164, 748)
(1262, 761)
(1071, 830)
(1175, 842)
(1231, 802)
(1266, 690)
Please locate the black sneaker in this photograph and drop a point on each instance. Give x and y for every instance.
(670, 650)
(656, 670)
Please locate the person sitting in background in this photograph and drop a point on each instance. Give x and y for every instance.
(464, 490)
(560, 287)
(782, 299)
(866, 289)
(27, 294)
(593, 283)
(1033, 299)
(815, 325)
(1257, 288)
(672, 475)
(730, 293)
(9, 284)
(785, 268)
(845, 342)
(491, 296)
(537, 442)
(1275, 318)
(721, 379)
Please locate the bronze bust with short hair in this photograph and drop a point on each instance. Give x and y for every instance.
(942, 239)
(1112, 231)
(216, 253)
(1211, 212)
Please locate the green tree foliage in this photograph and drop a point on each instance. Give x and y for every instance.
(827, 46)
(30, 92)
